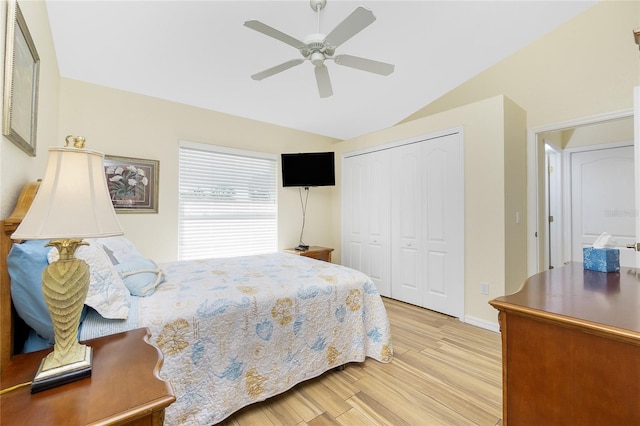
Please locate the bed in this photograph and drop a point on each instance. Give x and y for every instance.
(233, 331)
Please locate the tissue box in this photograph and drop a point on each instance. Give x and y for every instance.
(601, 259)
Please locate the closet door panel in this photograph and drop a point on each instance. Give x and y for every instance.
(353, 202)
(436, 275)
(443, 289)
(355, 256)
(406, 220)
(435, 256)
(378, 213)
(366, 227)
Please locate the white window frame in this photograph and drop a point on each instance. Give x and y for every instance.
(228, 224)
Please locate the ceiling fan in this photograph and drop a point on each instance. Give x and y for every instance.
(319, 47)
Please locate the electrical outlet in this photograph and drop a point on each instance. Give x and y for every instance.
(484, 288)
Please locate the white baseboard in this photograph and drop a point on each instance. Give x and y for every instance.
(488, 325)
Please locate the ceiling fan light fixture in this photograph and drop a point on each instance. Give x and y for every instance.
(317, 58)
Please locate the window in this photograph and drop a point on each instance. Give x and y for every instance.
(227, 202)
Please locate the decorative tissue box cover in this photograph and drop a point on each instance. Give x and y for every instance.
(601, 259)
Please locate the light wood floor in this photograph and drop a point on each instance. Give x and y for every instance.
(444, 372)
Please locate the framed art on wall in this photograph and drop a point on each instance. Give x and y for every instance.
(132, 183)
(21, 74)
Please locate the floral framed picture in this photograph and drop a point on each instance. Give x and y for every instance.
(132, 183)
(21, 75)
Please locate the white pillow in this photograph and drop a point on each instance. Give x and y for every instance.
(140, 275)
(107, 292)
(119, 249)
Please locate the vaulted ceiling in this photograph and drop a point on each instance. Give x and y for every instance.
(199, 53)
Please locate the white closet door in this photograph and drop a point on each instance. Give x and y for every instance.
(443, 229)
(378, 217)
(354, 205)
(366, 200)
(403, 220)
(406, 223)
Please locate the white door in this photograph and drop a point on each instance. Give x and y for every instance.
(603, 199)
(353, 204)
(377, 215)
(406, 223)
(443, 225)
(427, 231)
(366, 224)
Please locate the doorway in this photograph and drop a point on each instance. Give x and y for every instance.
(606, 128)
(553, 209)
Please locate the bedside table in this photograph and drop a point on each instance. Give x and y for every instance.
(316, 252)
(124, 387)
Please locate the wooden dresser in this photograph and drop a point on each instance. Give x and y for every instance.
(316, 252)
(124, 388)
(571, 348)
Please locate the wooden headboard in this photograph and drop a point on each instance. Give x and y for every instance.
(10, 330)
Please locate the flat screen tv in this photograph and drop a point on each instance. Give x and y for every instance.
(308, 169)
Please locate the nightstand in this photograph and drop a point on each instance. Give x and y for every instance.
(316, 252)
(124, 387)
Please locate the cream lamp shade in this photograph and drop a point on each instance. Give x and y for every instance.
(72, 203)
(73, 200)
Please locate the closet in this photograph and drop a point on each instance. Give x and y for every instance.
(403, 219)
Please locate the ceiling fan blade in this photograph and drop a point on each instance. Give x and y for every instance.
(359, 19)
(364, 64)
(324, 83)
(278, 68)
(272, 32)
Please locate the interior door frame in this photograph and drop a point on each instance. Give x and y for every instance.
(636, 143)
(535, 194)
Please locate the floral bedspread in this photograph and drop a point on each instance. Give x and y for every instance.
(238, 330)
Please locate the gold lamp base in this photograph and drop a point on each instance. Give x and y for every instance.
(65, 283)
(47, 378)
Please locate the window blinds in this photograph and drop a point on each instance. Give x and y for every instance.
(227, 202)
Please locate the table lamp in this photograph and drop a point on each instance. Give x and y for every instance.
(72, 203)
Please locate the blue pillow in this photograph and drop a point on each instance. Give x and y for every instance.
(34, 343)
(25, 262)
(140, 275)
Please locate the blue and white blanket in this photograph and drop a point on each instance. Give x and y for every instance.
(235, 331)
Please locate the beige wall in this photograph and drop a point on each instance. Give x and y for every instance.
(586, 67)
(602, 133)
(515, 184)
(130, 125)
(16, 167)
(486, 125)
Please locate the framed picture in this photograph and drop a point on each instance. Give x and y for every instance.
(21, 74)
(132, 183)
